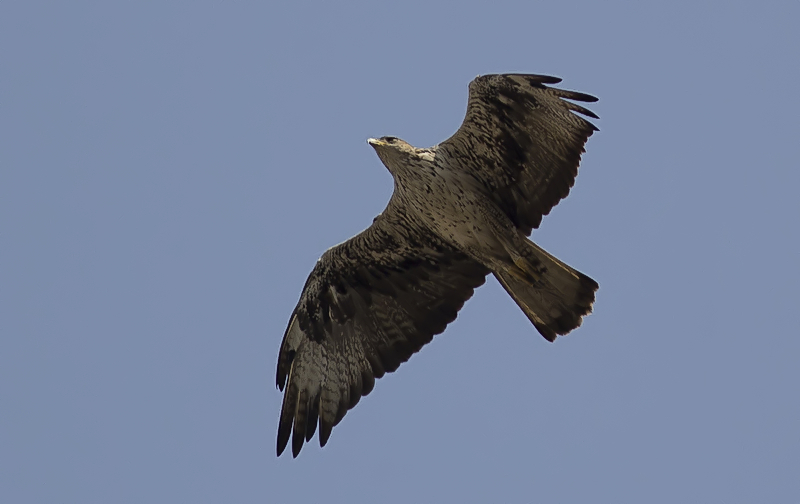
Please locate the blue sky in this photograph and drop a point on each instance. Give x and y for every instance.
(170, 172)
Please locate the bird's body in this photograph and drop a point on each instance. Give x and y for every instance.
(459, 211)
(447, 204)
(437, 198)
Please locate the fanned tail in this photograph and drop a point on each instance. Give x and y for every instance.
(554, 296)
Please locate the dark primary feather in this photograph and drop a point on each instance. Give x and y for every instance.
(368, 305)
(522, 141)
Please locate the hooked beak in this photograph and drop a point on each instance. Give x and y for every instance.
(375, 142)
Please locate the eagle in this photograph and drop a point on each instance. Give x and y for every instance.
(459, 211)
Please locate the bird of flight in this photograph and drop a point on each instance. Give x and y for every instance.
(460, 210)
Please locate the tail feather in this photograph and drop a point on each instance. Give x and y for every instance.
(556, 298)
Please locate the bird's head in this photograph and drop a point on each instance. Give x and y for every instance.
(392, 150)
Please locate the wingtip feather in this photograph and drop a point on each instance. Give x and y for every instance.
(325, 429)
(283, 437)
(543, 79)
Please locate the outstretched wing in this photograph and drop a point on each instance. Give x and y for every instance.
(522, 141)
(368, 305)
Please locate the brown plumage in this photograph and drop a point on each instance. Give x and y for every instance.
(459, 211)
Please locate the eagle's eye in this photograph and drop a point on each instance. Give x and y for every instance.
(389, 139)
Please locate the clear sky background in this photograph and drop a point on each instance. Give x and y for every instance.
(170, 172)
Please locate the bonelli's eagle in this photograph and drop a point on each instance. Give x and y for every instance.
(460, 210)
